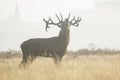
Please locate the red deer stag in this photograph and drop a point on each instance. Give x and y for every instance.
(54, 47)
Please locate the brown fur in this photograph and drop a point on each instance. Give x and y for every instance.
(54, 47)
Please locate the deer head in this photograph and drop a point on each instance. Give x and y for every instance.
(63, 24)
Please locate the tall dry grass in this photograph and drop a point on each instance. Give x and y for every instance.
(93, 67)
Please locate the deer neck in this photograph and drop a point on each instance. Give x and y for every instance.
(64, 37)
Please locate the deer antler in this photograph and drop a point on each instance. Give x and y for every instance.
(59, 18)
(75, 22)
(50, 21)
(69, 16)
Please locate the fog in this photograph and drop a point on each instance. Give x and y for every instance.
(23, 19)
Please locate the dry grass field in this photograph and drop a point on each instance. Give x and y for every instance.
(92, 67)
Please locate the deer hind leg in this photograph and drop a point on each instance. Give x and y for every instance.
(24, 61)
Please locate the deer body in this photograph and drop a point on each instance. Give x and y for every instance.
(54, 47)
(49, 45)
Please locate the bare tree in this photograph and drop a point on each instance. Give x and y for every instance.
(54, 47)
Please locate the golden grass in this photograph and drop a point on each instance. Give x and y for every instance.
(105, 67)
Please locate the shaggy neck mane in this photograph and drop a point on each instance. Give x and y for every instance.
(64, 37)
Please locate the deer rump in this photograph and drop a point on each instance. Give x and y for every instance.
(47, 47)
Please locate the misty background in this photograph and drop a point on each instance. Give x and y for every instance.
(23, 19)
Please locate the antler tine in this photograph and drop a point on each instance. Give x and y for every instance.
(57, 16)
(79, 19)
(47, 27)
(44, 20)
(73, 19)
(61, 17)
(69, 16)
(50, 22)
(47, 22)
(75, 22)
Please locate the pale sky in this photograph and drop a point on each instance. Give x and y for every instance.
(100, 23)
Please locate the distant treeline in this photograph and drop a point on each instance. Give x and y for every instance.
(10, 54)
(94, 52)
(87, 52)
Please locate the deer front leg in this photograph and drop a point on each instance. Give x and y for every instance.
(57, 59)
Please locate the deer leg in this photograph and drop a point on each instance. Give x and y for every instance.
(32, 58)
(57, 59)
(24, 61)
